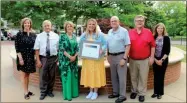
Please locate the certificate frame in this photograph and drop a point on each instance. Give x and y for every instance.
(90, 43)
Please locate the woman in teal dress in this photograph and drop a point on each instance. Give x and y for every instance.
(68, 62)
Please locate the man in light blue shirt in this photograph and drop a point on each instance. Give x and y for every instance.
(118, 43)
(118, 39)
(46, 46)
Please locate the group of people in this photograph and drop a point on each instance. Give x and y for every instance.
(139, 46)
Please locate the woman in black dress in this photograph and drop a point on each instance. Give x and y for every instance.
(24, 44)
(162, 52)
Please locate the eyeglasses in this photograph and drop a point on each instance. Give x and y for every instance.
(139, 20)
(114, 21)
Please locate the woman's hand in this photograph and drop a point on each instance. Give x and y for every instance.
(100, 51)
(158, 62)
(21, 62)
(72, 58)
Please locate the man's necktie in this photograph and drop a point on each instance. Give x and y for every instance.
(48, 46)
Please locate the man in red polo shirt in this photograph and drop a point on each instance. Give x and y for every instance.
(141, 57)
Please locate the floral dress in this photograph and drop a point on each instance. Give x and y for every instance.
(68, 70)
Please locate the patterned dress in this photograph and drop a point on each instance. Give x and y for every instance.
(68, 70)
(24, 44)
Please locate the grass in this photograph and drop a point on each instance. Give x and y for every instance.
(178, 38)
(183, 47)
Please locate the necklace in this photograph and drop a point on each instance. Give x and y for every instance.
(160, 37)
(69, 36)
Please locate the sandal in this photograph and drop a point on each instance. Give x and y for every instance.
(26, 96)
(30, 93)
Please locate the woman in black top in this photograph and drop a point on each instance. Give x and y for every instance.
(24, 44)
(162, 51)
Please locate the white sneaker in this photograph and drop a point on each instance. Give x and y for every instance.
(89, 95)
(94, 96)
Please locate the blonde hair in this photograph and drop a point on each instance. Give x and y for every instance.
(46, 22)
(96, 31)
(155, 33)
(140, 16)
(23, 21)
(66, 24)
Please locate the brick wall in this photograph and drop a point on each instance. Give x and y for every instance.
(172, 74)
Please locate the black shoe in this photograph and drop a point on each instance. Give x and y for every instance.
(50, 94)
(141, 98)
(159, 96)
(42, 96)
(154, 95)
(31, 94)
(26, 96)
(119, 100)
(133, 95)
(113, 96)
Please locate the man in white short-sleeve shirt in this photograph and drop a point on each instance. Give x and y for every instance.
(46, 47)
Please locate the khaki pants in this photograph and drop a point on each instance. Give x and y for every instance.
(139, 70)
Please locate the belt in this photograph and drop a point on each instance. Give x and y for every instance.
(139, 58)
(48, 56)
(114, 54)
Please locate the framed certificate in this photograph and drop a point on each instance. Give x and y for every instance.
(89, 49)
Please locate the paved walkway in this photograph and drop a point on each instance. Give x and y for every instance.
(178, 42)
(11, 90)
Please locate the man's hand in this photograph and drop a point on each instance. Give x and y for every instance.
(122, 62)
(109, 59)
(38, 64)
(151, 61)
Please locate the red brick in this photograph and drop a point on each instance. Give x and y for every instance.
(172, 74)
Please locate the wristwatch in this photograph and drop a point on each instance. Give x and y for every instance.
(124, 59)
(162, 60)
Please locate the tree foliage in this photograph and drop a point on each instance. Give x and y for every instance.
(2, 23)
(60, 11)
(104, 25)
(175, 15)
